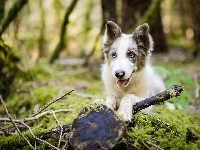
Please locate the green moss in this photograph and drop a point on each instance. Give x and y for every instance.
(16, 142)
(165, 128)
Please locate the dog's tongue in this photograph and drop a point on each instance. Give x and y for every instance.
(122, 83)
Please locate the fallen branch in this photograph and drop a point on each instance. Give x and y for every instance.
(173, 91)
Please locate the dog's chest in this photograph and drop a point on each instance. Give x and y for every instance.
(139, 89)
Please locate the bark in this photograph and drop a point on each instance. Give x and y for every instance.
(8, 71)
(160, 45)
(131, 11)
(135, 13)
(173, 91)
(2, 9)
(61, 43)
(12, 14)
(109, 12)
(195, 5)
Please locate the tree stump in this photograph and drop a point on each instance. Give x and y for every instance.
(96, 128)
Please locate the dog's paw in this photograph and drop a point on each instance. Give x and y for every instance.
(125, 114)
(111, 102)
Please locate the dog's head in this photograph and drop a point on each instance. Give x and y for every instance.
(126, 54)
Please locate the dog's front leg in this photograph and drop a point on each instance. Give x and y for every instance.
(126, 105)
(111, 102)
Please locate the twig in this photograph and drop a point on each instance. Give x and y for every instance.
(154, 145)
(147, 147)
(167, 125)
(65, 145)
(35, 117)
(60, 126)
(39, 138)
(44, 113)
(19, 132)
(173, 91)
(48, 104)
(24, 124)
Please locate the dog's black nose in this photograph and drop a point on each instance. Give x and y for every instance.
(119, 74)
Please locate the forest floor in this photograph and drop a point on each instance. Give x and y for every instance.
(41, 83)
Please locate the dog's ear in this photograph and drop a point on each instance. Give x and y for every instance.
(142, 37)
(112, 32)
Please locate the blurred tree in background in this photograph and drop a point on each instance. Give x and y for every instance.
(55, 29)
(141, 11)
(194, 6)
(169, 20)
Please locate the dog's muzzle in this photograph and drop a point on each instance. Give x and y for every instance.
(119, 74)
(121, 82)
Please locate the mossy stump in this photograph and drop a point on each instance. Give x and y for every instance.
(96, 128)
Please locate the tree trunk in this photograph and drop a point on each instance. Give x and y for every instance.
(131, 12)
(158, 35)
(41, 39)
(195, 9)
(139, 12)
(12, 14)
(61, 43)
(109, 12)
(2, 8)
(8, 71)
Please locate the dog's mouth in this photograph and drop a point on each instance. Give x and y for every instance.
(123, 83)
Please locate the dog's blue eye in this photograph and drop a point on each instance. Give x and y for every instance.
(131, 54)
(114, 55)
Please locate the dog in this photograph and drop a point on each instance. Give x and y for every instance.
(127, 73)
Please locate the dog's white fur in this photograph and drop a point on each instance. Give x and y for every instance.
(142, 83)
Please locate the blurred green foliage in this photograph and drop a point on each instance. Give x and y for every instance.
(176, 77)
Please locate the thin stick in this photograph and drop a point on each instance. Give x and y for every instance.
(167, 125)
(35, 117)
(48, 104)
(39, 138)
(154, 145)
(60, 126)
(19, 132)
